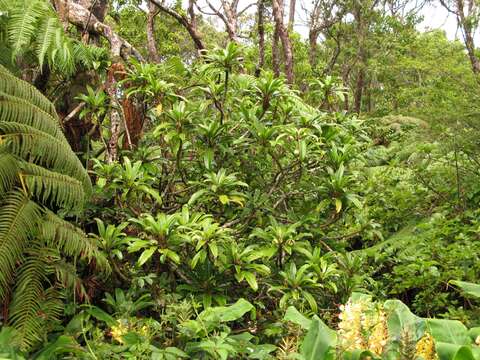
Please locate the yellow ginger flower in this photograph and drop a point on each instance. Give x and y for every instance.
(350, 326)
(362, 326)
(118, 331)
(379, 334)
(425, 348)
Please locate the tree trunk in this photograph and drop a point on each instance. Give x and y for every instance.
(115, 112)
(261, 37)
(470, 45)
(361, 56)
(276, 53)
(278, 14)
(312, 51)
(291, 15)
(151, 43)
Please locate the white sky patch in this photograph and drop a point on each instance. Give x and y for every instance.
(437, 17)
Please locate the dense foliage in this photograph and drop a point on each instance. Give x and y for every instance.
(169, 190)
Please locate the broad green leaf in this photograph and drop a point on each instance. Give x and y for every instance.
(474, 333)
(320, 342)
(99, 314)
(196, 196)
(467, 287)
(448, 351)
(227, 313)
(63, 344)
(147, 254)
(295, 316)
(401, 320)
(251, 280)
(448, 331)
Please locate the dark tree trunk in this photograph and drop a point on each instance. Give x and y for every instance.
(261, 37)
(361, 28)
(276, 53)
(151, 43)
(278, 15)
(291, 15)
(312, 51)
(115, 112)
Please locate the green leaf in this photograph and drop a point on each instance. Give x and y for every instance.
(295, 316)
(227, 313)
(320, 342)
(467, 287)
(99, 314)
(453, 351)
(224, 199)
(196, 196)
(338, 205)
(147, 254)
(172, 255)
(401, 320)
(359, 355)
(213, 249)
(448, 331)
(251, 280)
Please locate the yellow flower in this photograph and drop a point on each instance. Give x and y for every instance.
(350, 326)
(425, 348)
(362, 326)
(379, 334)
(118, 331)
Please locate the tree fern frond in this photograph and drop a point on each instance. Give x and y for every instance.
(14, 86)
(41, 148)
(32, 307)
(37, 163)
(8, 171)
(23, 23)
(62, 54)
(50, 187)
(19, 218)
(45, 39)
(4, 6)
(87, 54)
(66, 274)
(14, 109)
(71, 241)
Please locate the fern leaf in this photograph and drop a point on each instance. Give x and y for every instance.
(14, 86)
(8, 171)
(52, 188)
(15, 109)
(43, 149)
(32, 307)
(71, 241)
(19, 218)
(23, 24)
(45, 40)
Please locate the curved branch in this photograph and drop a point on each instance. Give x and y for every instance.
(188, 24)
(81, 17)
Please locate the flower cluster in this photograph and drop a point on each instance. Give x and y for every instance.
(425, 348)
(117, 331)
(125, 326)
(362, 326)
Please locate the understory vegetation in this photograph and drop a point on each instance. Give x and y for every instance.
(175, 189)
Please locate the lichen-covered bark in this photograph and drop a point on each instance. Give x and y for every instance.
(81, 16)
